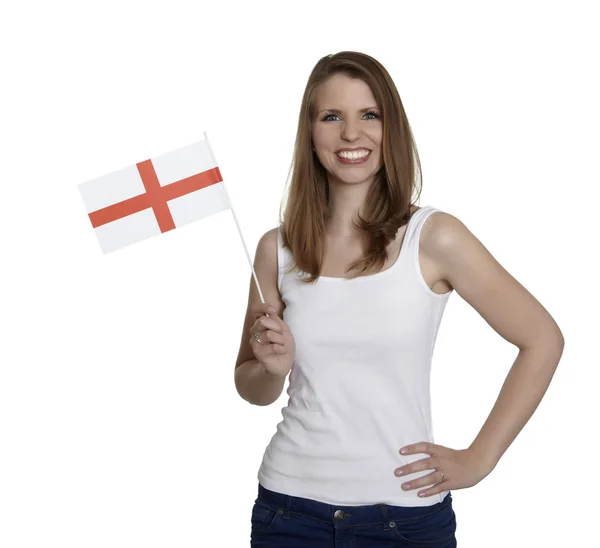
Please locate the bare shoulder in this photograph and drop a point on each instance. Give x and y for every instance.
(469, 267)
(441, 231)
(454, 250)
(267, 246)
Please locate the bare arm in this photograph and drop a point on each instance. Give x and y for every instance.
(252, 382)
(513, 313)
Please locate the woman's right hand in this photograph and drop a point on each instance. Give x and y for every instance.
(277, 347)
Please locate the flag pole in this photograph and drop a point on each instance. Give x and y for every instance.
(262, 299)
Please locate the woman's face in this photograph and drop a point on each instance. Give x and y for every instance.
(347, 117)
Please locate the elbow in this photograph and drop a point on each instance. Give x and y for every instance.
(550, 346)
(547, 339)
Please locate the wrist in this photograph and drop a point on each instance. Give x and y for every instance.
(485, 458)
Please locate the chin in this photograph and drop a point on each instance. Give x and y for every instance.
(355, 180)
(354, 173)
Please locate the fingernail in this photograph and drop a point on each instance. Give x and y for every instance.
(271, 310)
(399, 472)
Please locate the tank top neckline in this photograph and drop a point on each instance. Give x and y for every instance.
(381, 273)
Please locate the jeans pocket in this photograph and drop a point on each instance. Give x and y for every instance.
(263, 515)
(436, 528)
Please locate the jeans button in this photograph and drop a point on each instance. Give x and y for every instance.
(339, 514)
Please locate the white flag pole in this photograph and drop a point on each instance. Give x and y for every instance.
(262, 299)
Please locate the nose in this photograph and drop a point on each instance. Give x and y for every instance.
(350, 131)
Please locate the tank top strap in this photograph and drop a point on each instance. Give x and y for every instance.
(414, 230)
(415, 226)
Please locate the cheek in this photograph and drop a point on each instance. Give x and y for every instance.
(321, 142)
(316, 134)
(377, 138)
(324, 136)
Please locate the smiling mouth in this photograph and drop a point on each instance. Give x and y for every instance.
(353, 159)
(347, 155)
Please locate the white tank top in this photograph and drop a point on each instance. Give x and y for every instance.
(359, 388)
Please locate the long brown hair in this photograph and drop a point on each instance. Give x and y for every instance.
(388, 202)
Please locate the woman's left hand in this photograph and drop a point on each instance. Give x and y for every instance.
(462, 468)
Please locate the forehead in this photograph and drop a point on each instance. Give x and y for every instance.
(340, 90)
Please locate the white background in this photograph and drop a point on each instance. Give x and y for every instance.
(120, 424)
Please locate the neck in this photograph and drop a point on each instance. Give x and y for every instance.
(346, 200)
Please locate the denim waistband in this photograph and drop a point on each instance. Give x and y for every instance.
(348, 515)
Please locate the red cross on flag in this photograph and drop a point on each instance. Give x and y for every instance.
(154, 196)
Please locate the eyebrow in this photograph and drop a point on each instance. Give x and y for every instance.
(339, 111)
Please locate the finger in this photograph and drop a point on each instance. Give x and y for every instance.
(278, 348)
(273, 315)
(429, 479)
(265, 350)
(260, 325)
(282, 327)
(269, 337)
(442, 486)
(258, 347)
(428, 493)
(257, 331)
(421, 447)
(269, 323)
(255, 328)
(430, 463)
(261, 309)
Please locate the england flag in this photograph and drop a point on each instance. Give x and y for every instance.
(155, 196)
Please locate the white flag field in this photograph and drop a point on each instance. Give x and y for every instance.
(157, 195)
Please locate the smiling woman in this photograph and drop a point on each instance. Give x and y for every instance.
(358, 278)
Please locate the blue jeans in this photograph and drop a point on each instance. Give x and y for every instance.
(283, 521)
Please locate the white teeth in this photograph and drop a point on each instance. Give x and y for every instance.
(354, 155)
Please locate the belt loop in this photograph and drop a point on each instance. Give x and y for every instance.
(288, 504)
(383, 510)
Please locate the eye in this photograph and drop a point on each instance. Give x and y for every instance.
(371, 112)
(376, 114)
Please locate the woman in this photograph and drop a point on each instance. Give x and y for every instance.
(355, 282)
